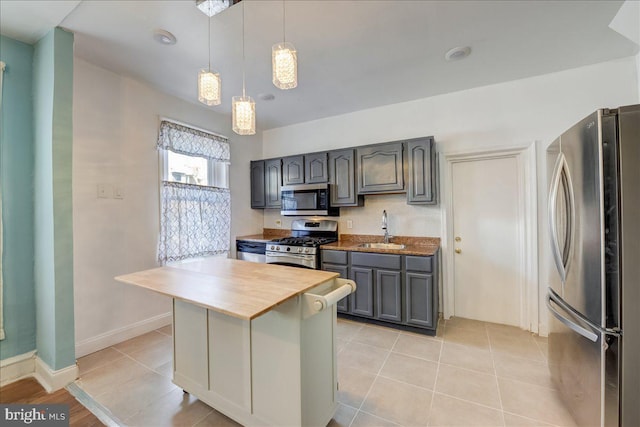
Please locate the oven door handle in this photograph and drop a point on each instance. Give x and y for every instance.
(286, 255)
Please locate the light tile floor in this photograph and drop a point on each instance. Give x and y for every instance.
(471, 374)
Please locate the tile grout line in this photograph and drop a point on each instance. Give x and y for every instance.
(374, 382)
(435, 381)
(495, 374)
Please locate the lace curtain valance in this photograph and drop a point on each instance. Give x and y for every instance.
(185, 140)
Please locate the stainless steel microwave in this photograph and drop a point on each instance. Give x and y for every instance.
(307, 199)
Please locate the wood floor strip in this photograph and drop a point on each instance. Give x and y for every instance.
(29, 391)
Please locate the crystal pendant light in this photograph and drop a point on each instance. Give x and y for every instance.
(284, 61)
(209, 85)
(243, 108)
(212, 7)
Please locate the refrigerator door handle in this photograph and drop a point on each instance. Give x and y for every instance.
(567, 322)
(561, 178)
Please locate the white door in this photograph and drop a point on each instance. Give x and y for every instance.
(487, 228)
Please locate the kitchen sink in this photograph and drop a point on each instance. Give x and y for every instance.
(381, 246)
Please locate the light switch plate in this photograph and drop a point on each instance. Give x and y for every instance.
(349, 223)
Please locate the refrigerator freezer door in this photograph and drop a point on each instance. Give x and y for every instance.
(575, 363)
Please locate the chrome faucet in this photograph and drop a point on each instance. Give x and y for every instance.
(384, 226)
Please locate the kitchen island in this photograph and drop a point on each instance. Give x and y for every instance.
(254, 341)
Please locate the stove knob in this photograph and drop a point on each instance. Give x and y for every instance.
(306, 249)
(299, 249)
(272, 248)
(288, 249)
(277, 248)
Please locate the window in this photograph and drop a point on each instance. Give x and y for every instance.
(195, 211)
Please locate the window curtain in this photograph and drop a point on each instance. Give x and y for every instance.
(1, 220)
(192, 142)
(195, 220)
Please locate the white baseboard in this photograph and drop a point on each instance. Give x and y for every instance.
(17, 367)
(115, 336)
(54, 380)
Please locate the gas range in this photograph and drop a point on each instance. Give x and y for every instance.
(301, 249)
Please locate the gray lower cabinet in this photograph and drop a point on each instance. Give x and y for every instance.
(338, 262)
(398, 289)
(421, 291)
(419, 294)
(421, 171)
(342, 178)
(389, 295)
(343, 270)
(380, 168)
(362, 298)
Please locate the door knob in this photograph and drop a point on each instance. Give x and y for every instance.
(457, 239)
(458, 250)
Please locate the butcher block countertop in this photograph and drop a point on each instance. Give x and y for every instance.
(240, 289)
(420, 246)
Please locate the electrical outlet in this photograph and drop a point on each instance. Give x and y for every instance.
(118, 192)
(349, 223)
(103, 191)
(278, 223)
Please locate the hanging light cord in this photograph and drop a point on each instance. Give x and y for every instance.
(243, 93)
(209, 44)
(283, 23)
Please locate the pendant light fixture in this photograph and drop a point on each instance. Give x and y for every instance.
(212, 7)
(284, 61)
(243, 108)
(209, 84)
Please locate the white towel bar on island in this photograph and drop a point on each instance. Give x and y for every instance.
(324, 297)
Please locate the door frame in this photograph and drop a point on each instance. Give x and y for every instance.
(525, 156)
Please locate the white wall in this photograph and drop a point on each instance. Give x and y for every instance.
(521, 112)
(115, 123)
(507, 114)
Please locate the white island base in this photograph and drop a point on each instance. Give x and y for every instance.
(254, 341)
(278, 369)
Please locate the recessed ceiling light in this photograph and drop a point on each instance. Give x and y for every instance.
(164, 37)
(266, 97)
(457, 53)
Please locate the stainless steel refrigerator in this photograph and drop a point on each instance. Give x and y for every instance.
(594, 289)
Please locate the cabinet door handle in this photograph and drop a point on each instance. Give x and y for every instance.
(458, 250)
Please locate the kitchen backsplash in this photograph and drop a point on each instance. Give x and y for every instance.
(403, 219)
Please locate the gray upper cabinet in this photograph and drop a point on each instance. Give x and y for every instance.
(293, 170)
(421, 171)
(380, 168)
(258, 199)
(342, 176)
(272, 183)
(305, 169)
(315, 168)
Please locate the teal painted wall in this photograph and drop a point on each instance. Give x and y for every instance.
(53, 96)
(16, 178)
